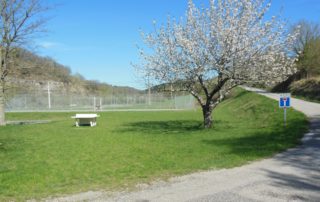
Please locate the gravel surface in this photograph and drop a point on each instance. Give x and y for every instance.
(290, 176)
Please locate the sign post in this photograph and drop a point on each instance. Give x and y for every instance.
(285, 102)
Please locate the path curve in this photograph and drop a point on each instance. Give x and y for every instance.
(290, 176)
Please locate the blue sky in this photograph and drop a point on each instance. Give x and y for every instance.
(97, 38)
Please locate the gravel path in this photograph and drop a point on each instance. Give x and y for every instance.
(290, 176)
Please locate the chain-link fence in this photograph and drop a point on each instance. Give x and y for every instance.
(55, 101)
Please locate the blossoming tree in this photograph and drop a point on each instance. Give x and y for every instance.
(214, 49)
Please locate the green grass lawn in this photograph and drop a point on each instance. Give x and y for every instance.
(127, 148)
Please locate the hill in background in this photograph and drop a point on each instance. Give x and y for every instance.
(30, 72)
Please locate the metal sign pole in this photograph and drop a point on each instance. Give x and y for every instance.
(285, 111)
(285, 117)
(284, 103)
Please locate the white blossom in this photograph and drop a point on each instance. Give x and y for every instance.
(214, 49)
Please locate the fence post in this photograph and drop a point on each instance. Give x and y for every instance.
(94, 103)
(100, 104)
(49, 96)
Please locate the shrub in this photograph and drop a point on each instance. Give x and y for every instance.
(308, 88)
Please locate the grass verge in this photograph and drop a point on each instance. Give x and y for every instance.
(137, 147)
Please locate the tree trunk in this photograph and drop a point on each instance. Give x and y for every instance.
(2, 106)
(207, 116)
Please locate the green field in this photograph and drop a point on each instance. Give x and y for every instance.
(127, 148)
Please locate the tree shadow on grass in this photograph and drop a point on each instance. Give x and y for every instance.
(257, 145)
(164, 127)
(9, 146)
(9, 143)
(263, 143)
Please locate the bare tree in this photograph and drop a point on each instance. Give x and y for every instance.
(19, 21)
(215, 49)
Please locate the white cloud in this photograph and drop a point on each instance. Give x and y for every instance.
(49, 45)
(56, 46)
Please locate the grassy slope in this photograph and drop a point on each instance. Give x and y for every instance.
(132, 147)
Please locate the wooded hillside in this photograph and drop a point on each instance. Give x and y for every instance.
(30, 72)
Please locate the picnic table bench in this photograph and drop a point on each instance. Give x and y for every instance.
(86, 119)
